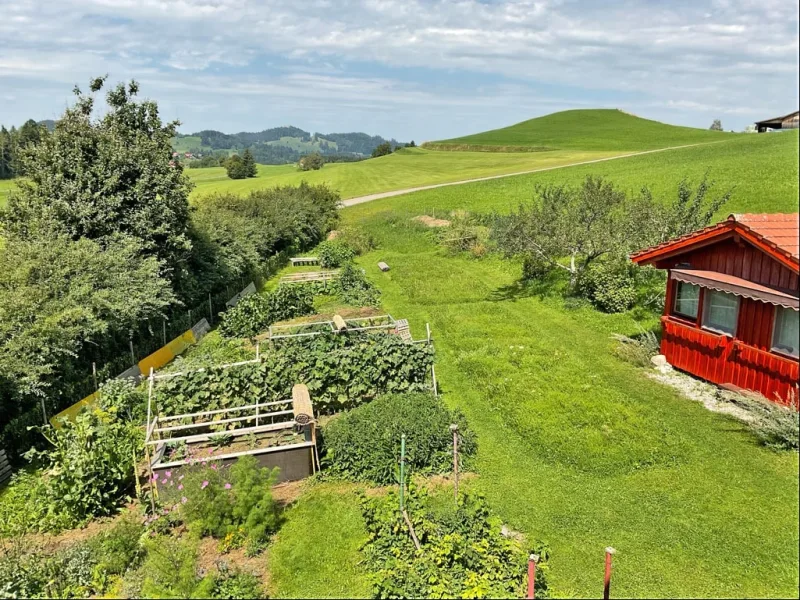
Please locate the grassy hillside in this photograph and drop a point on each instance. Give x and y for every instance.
(575, 446)
(190, 142)
(762, 170)
(6, 185)
(296, 143)
(596, 129)
(406, 168)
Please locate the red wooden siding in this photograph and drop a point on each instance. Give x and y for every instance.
(720, 359)
(740, 260)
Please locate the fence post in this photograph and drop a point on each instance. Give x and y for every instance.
(44, 412)
(133, 356)
(454, 429)
(607, 579)
(533, 559)
(402, 470)
(164, 330)
(210, 310)
(94, 376)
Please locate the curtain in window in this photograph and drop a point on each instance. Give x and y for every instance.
(720, 311)
(787, 331)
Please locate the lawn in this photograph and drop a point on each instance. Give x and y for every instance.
(316, 553)
(6, 186)
(762, 171)
(582, 450)
(593, 129)
(575, 446)
(407, 168)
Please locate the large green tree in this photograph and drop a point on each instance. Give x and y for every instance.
(98, 177)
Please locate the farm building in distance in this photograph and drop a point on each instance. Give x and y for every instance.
(790, 121)
(732, 302)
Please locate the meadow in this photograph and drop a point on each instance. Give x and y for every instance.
(405, 168)
(576, 447)
(6, 186)
(591, 129)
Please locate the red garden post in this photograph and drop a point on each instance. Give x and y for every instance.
(532, 560)
(607, 579)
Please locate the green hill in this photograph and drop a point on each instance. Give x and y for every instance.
(596, 129)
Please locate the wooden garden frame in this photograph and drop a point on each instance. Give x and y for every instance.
(310, 276)
(304, 260)
(337, 325)
(290, 413)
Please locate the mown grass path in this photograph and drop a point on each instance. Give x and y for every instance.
(378, 196)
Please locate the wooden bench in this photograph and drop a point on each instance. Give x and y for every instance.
(310, 276)
(304, 260)
(383, 266)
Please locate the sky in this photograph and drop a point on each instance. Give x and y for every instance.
(408, 69)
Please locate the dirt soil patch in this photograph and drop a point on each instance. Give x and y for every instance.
(210, 559)
(431, 221)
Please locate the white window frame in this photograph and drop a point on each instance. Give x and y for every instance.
(707, 300)
(773, 346)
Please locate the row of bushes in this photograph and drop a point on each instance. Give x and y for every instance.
(254, 313)
(341, 371)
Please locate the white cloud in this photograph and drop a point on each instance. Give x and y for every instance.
(689, 58)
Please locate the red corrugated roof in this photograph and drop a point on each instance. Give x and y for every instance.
(780, 228)
(775, 233)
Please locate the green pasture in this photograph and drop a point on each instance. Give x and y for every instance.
(406, 168)
(762, 171)
(592, 129)
(188, 143)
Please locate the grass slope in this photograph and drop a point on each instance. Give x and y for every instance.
(581, 449)
(6, 186)
(407, 168)
(317, 551)
(596, 129)
(762, 170)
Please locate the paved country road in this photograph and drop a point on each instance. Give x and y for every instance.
(378, 196)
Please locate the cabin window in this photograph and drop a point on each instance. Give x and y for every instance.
(720, 311)
(786, 337)
(687, 298)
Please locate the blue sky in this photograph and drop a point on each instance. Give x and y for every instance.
(409, 69)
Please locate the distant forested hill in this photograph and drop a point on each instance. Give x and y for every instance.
(281, 145)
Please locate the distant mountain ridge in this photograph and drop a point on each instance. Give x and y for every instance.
(281, 145)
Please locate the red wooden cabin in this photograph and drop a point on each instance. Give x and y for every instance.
(731, 309)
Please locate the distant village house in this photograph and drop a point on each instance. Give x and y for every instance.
(732, 303)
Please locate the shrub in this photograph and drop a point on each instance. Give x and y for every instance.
(334, 253)
(341, 371)
(123, 398)
(364, 443)
(218, 501)
(535, 267)
(41, 573)
(120, 548)
(311, 162)
(354, 289)
(170, 570)
(231, 585)
(463, 552)
(254, 313)
(359, 240)
(609, 287)
(87, 473)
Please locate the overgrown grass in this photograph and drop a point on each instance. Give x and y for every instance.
(579, 448)
(6, 186)
(317, 551)
(593, 129)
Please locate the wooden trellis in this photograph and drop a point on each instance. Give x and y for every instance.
(299, 261)
(337, 325)
(310, 276)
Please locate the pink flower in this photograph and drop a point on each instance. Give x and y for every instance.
(205, 483)
(211, 451)
(180, 487)
(168, 474)
(163, 482)
(227, 486)
(184, 500)
(214, 467)
(155, 477)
